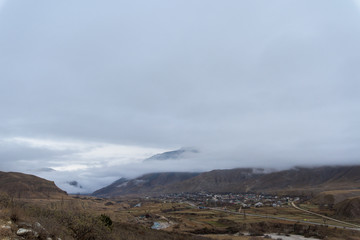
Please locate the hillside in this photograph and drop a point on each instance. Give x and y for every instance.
(349, 208)
(334, 197)
(298, 180)
(153, 182)
(315, 179)
(218, 181)
(20, 185)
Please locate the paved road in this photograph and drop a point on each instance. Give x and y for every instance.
(357, 228)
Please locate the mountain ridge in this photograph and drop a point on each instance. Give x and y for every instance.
(298, 180)
(173, 155)
(143, 184)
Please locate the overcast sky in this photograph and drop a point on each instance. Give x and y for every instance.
(91, 88)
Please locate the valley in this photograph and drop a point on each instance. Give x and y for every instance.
(153, 207)
(179, 216)
(179, 120)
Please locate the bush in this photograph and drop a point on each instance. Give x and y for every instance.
(5, 200)
(106, 220)
(83, 226)
(14, 215)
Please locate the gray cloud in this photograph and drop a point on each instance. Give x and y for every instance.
(248, 82)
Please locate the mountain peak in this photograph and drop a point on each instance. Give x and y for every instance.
(173, 155)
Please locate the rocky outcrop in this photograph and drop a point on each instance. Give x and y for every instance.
(24, 230)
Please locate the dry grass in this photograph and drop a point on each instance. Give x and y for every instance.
(79, 218)
(231, 237)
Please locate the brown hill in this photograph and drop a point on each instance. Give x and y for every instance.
(298, 180)
(231, 180)
(20, 185)
(309, 179)
(335, 196)
(349, 208)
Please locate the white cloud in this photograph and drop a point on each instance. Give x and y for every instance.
(2, 3)
(50, 144)
(357, 3)
(277, 87)
(122, 153)
(87, 149)
(71, 168)
(91, 154)
(76, 160)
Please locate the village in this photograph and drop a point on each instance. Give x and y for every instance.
(237, 200)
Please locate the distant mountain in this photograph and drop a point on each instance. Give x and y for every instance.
(172, 155)
(296, 181)
(153, 182)
(315, 179)
(20, 185)
(111, 189)
(230, 180)
(293, 181)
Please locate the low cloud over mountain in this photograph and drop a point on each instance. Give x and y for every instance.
(182, 153)
(93, 88)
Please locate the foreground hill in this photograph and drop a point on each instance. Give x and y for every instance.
(20, 185)
(295, 181)
(349, 208)
(331, 198)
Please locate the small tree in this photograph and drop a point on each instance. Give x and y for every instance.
(106, 220)
(83, 226)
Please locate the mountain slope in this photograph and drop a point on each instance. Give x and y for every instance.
(295, 181)
(314, 179)
(335, 196)
(111, 189)
(153, 182)
(20, 185)
(218, 181)
(349, 208)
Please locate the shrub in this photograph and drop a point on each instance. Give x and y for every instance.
(14, 215)
(106, 220)
(83, 226)
(5, 200)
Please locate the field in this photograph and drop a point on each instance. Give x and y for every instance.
(185, 218)
(139, 218)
